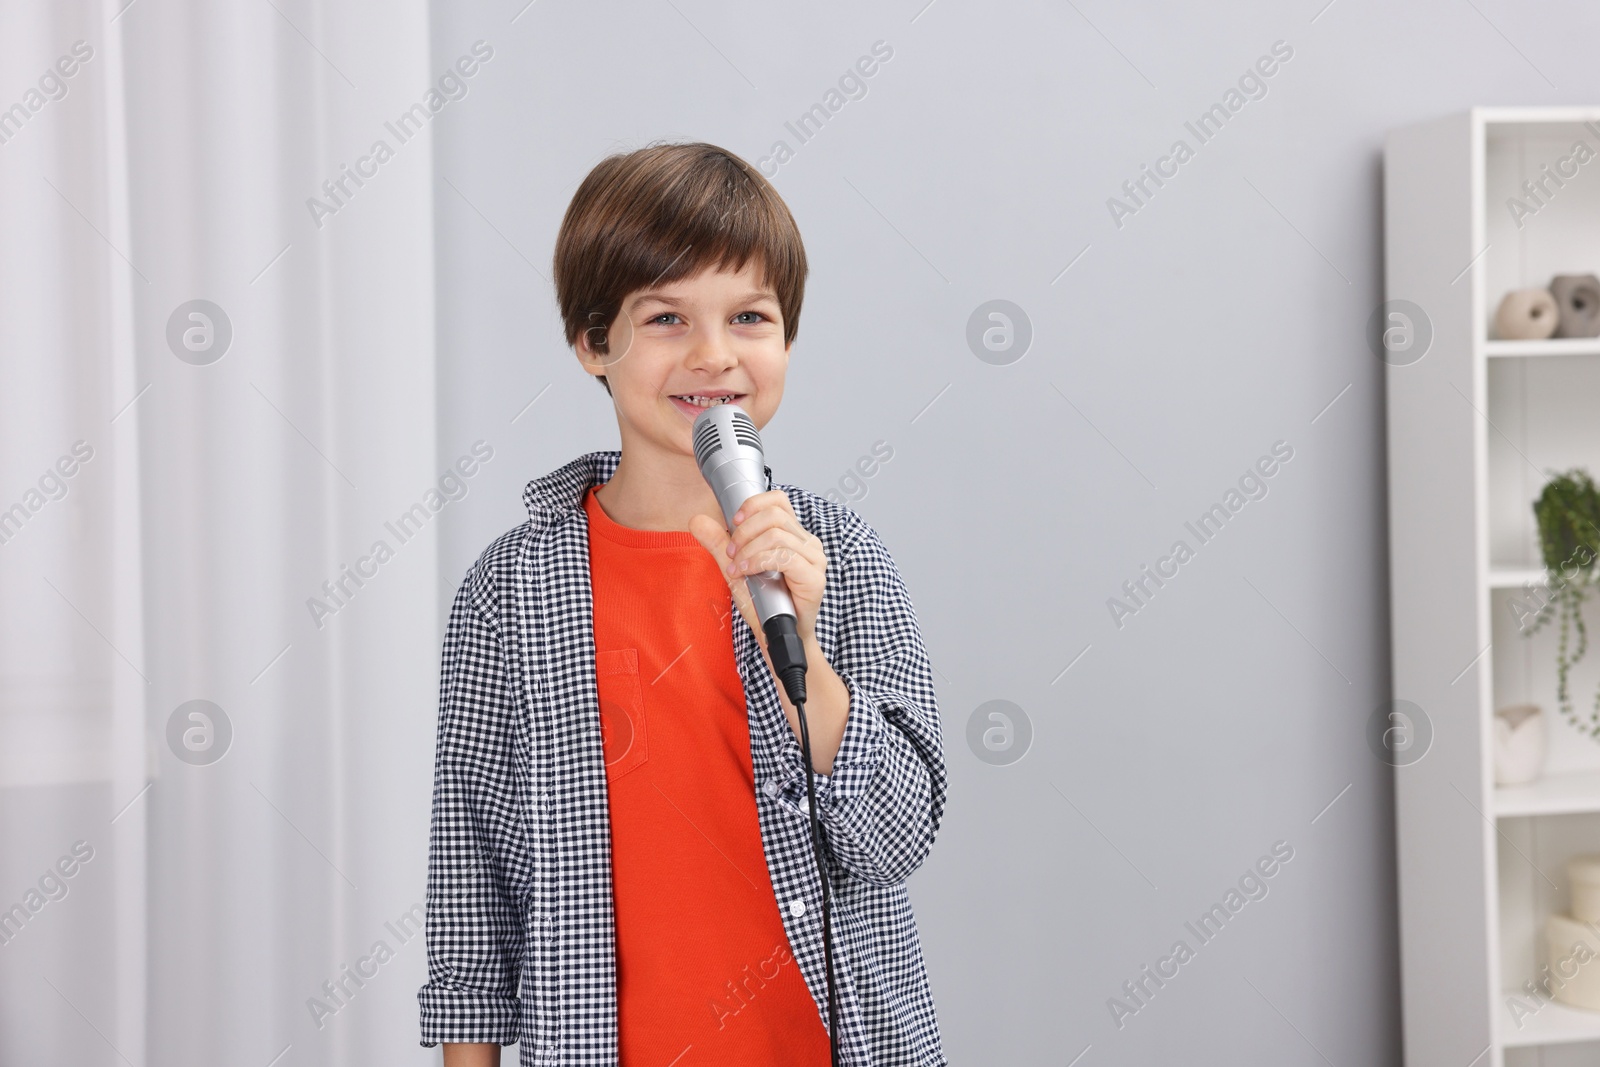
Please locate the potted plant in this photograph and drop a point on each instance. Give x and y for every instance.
(1568, 513)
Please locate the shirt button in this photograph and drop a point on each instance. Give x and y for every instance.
(797, 907)
(549, 800)
(771, 787)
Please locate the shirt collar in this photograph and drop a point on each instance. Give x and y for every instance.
(561, 492)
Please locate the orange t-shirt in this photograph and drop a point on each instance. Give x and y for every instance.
(704, 971)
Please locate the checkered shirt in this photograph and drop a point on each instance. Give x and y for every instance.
(520, 933)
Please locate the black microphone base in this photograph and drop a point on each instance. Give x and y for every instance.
(788, 655)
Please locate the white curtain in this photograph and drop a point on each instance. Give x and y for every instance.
(216, 690)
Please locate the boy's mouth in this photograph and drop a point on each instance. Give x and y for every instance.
(692, 404)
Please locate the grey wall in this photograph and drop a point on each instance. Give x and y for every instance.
(1223, 316)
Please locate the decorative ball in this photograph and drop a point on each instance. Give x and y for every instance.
(1578, 299)
(1526, 315)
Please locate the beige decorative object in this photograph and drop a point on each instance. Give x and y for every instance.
(1577, 299)
(1575, 974)
(1518, 744)
(1526, 315)
(1583, 877)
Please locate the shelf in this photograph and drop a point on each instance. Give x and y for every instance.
(1553, 1024)
(1554, 794)
(1562, 346)
(1516, 577)
(1462, 480)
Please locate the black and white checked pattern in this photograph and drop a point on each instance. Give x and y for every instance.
(521, 942)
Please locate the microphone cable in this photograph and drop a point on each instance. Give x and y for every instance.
(789, 660)
(727, 448)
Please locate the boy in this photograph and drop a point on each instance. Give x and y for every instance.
(620, 864)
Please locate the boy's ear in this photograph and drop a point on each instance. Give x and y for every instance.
(588, 338)
(592, 362)
(604, 343)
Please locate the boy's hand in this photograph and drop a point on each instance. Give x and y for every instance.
(768, 537)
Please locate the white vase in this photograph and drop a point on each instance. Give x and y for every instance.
(1518, 744)
(1563, 935)
(1583, 879)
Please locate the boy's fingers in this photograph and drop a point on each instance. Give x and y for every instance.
(774, 515)
(714, 539)
(781, 540)
(711, 535)
(757, 523)
(772, 498)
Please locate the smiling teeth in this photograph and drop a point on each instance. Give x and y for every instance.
(704, 401)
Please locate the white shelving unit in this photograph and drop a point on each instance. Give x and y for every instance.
(1473, 427)
(1554, 346)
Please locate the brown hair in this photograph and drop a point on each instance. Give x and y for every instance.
(666, 212)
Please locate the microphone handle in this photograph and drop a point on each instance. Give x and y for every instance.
(767, 589)
(769, 595)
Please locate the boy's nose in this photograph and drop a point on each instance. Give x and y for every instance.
(713, 351)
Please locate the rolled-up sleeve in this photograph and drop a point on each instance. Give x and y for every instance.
(882, 800)
(474, 932)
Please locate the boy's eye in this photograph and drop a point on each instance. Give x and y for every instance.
(743, 318)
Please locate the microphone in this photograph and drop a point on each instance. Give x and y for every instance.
(728, 449)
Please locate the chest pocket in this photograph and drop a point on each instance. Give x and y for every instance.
(623, 731)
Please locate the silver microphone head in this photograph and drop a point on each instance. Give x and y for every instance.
(728, 450)
(723, 426)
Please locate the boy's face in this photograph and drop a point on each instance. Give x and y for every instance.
(715, 337)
